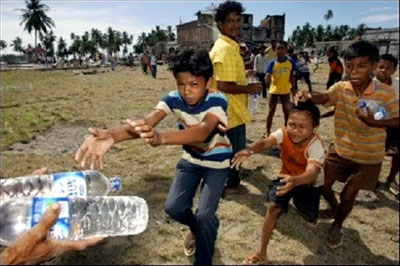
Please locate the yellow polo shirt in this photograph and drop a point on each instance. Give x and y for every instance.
(229, 67)
(354, 140)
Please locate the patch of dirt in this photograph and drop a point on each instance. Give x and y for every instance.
(60, 139)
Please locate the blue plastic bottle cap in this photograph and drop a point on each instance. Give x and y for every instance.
(361, 104)
(116, 183)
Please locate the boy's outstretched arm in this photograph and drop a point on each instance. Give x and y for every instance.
(255, 147)
(315, 97)
(190, 135)
(95, 147)
(305, 178)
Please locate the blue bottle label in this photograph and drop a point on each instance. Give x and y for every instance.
(69, 184)
(39, 205)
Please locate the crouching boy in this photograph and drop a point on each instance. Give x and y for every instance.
(300, 178)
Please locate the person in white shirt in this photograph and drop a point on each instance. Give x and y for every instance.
(260, 67)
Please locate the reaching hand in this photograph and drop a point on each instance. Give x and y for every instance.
(36, 245)
(282, 190)
(366, 118)
(301, 96)
(240, 157)
(255, 88)
(94, 148)
(146, 132)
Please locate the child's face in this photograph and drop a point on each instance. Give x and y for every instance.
(384, 70)
(281, 50)
(191, 88)
(300, 127)
(359, 70)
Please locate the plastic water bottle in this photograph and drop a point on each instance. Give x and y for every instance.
(80, 217)
(77, 183)
(378, 111)
(253, 97)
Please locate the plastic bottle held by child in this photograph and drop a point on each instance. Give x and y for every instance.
(80, 217)
(253, 97)
(77, 183)
(378, 111)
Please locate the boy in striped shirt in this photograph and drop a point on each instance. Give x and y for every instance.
(359, 143)
(202, 123)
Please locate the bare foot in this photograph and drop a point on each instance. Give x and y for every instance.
(255, 258)
(40, 171)
(335, 238)
(189, 246)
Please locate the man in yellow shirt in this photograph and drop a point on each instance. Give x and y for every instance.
(230, 78)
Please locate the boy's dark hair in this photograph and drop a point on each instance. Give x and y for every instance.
(227, 7)
(309, 107)
(283, 43)
(362, 48)
(196, 62)
(390, 58)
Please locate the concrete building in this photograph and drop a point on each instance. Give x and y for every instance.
(203, 32)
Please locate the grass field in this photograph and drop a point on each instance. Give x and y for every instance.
(44, 119)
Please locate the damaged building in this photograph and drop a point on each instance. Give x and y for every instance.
(203, 32)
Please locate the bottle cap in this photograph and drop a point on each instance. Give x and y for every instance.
(116, 183)
(362, 104)
(379, 115)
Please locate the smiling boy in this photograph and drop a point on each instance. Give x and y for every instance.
(202, 123)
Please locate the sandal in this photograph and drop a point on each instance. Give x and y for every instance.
(254, 259)
(189, 245)
(336, 241)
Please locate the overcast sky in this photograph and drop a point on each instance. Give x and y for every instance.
(135, 17)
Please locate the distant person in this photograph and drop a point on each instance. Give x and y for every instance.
(153, 63)
(144, 60)
(112, 61)
(359, 141)
(36, 245)
(300, 177)
(270, 51)
(246, 55)
(206, 149)
(335, 67)
(280, 83)
(260, 67)
(230, 78)
(303, 72)
(386, 67)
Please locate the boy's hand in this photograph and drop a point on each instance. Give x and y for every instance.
(240, 157)
(288, 179)
(367, 119)
(36, 245)
(146, 132)
(94, 148)
(255, 88)
(301, 96)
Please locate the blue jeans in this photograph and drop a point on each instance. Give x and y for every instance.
(237, 137)
(203, 223)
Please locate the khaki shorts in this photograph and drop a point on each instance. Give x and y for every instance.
(363, 176)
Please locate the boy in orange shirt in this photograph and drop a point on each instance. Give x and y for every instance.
(300, 178)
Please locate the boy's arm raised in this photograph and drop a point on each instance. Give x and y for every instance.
(315, 97)
(95, 147)
(194, 134)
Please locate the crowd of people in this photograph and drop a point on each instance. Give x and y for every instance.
(210, 103)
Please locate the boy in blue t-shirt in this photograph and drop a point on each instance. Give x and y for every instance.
(206, 155)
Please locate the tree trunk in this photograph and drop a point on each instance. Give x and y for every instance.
(35, 38)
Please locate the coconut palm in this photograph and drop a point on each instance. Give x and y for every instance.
(34, 17)
(328, 16)
(47, 41)
(17, 44)
(62, 48)
(3, 44)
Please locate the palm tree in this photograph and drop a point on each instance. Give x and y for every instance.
(17, 44)
(3, 44)
(48, 42)
(62, 48)
(34, 17)
(170, 33)
(328, 16)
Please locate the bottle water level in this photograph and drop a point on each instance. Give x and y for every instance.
(79, 218)
(108, 216)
